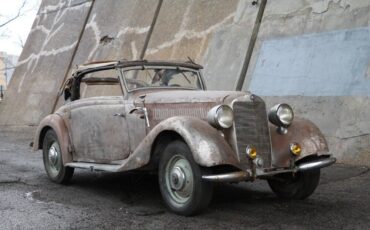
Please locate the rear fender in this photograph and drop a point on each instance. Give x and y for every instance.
(55, 122)
(303, 132)
(207, 145)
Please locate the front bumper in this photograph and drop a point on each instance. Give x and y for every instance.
(239, 176)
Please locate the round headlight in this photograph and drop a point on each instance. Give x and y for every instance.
(281, 115)
(221, 116)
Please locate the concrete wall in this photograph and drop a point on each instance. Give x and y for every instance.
(3, 80)
(114, 30)
(313, 54)
(7, 65)
(214, 33)
(44, 61)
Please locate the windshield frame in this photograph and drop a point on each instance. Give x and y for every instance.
(143, 67)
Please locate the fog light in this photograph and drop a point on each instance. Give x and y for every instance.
(252, 152)
(295, 149)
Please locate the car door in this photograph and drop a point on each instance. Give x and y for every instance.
(99, 129)
(137, 122)
(136, 113)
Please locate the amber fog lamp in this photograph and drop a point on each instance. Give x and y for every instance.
(281, 115)
(295, 149)
(221, 116)
(252, 152)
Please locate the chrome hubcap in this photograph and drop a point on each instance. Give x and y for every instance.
(54, 158)
(53, 155)
(179, 179)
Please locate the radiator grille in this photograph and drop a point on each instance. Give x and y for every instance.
(251, 128)
(162, 111)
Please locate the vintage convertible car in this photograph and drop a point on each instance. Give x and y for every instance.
(156, 115)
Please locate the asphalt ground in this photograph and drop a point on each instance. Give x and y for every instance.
(96, 200)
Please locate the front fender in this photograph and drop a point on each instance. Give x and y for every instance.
(55, 122)
(207, 145)
(303, 132)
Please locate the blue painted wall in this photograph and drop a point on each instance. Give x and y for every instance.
(326, 64)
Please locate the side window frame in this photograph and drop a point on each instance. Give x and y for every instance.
(75, 90)
(125, 88)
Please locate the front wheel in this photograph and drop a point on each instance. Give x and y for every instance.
(53, 161)
(295, 186)
(180, 181)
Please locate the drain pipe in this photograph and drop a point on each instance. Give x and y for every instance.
(252, 42)
(147, 39)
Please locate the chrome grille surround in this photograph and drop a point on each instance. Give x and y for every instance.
(251, 128)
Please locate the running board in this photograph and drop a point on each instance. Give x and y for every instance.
(94, 166)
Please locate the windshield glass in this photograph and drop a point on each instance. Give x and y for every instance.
(161, 77)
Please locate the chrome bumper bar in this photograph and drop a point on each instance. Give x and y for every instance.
(246, 175)
(228, 177)
(316, 164)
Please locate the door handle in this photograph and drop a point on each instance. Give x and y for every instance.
(119, 115)
(144, 111)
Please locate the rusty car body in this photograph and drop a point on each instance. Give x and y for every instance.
(158, 116)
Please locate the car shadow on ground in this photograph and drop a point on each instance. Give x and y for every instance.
(130, 189)
(140, 187)
(126, 196)
(143, 189)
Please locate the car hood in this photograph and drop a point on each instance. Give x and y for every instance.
(191, 96)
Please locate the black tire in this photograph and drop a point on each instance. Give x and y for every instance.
(193, 197)
(53, 162)
(298, 186)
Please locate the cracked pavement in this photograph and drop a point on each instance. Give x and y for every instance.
(96, 200)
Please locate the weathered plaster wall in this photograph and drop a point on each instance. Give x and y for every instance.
(214, 33)
(44, 61)
(114, 30)
(313, 54)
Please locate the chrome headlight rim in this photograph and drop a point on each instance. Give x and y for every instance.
(221, 116)
(281, 115)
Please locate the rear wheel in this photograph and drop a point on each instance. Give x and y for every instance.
(295, 186)
(180, 181)
(53, 161)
